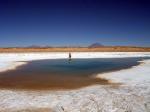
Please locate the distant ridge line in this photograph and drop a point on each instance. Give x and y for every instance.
(77, 49)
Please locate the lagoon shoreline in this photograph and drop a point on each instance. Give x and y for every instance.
(133, 95)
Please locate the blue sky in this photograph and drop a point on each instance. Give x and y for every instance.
(74, 22)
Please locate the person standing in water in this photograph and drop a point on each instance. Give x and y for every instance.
(69, 56)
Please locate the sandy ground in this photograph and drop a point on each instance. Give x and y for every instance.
(132, 96)
(79, 49)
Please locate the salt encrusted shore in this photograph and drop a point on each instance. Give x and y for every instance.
(132, 96)
(134, 75)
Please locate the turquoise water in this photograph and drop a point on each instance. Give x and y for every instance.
(62, 73)
(84, 67)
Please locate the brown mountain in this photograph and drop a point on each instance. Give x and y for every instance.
(96, 45)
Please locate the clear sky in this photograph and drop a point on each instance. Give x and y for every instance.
(74, 22)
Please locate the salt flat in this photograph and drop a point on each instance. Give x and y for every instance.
(132, 96)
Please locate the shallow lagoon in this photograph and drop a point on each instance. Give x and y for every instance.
(63, 73)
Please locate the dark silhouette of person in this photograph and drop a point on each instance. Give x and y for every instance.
(69, 56)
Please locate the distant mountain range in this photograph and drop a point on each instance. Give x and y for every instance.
(95, 45)
(38, 46)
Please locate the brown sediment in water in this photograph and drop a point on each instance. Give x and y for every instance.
(31, 109)
(25, 78)
(53, 82)
(15, 79)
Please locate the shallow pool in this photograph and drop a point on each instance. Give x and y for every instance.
(62, 73)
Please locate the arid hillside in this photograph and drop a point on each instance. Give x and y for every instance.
(78, 49)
